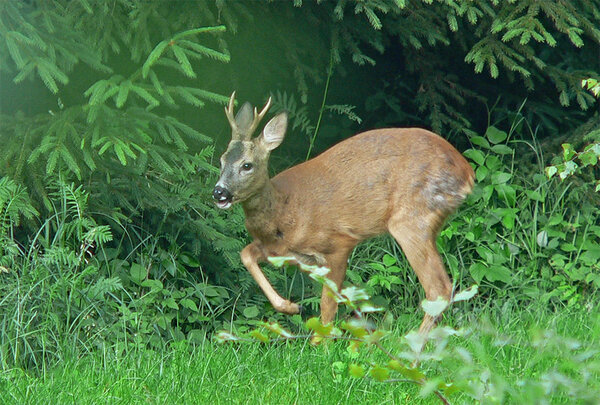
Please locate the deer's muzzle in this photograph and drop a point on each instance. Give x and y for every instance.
(222, 197)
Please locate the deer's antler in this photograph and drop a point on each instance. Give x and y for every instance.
(244, 133)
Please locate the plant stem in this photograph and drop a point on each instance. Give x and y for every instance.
(314, 137)
(408, 380)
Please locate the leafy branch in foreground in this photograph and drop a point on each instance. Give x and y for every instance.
(359, 332)
(453, 362)
(574, 161)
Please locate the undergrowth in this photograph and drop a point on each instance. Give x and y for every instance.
(72, 286)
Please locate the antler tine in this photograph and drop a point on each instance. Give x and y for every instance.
(229, 114)
(259, 116)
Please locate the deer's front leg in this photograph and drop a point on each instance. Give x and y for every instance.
(251, 255)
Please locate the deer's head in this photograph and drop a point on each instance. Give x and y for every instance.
(244, 165)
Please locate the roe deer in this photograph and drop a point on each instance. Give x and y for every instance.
(405, 181)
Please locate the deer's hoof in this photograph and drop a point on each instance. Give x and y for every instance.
(288, 307)
(293, 308)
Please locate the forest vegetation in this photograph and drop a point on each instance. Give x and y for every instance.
(117, 272)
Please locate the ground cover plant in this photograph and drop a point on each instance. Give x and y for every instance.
(117, 272)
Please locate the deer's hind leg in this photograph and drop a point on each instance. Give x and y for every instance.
(417, 238)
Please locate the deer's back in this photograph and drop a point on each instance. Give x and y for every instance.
(355, 186)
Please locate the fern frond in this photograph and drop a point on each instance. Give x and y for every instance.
(346, 110)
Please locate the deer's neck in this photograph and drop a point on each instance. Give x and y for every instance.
(261, 212)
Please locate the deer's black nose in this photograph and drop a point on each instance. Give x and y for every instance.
(221, 194)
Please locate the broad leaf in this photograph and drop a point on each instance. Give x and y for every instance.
(467, 294)
(434, 308)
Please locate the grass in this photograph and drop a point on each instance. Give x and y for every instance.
(296, 372)
(211, 373)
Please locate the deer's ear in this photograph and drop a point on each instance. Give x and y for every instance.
(244, 117)
(274, 131)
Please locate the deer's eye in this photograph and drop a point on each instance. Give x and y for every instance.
(247, 166)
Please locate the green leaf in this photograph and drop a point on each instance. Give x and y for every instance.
(389, 260)
(369, 308)
(568, 247)
(534, 195)
(493, 163)
(281, 261)
(475, 155)
(355, 294)
(251, 311)
(551, 171)
(415, 341)
(509, 216)
(137, 272)
(356, 371)
(507, 193)
(106, 145)
(487, 192)
(480, 141)
(377, 266)
(477, 271)
(396, 365)
(153, 285)
(502, 149)
(568, 151)
(189, 260)
(277, 329)
(588, 158)
(169, 302)
(485, 253)
(256, 334)
(500, 177)
(14, 50)
(542, 239)
(568, 169)
(434, 308)
(379, 373)
(24, 73)
(495, 135)
(452, 23)
(411, 373)
(591, 256)
(356, 327)
(189, 304)
(467, 294)
(481, 173)
(315, 325)
(499, 273)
